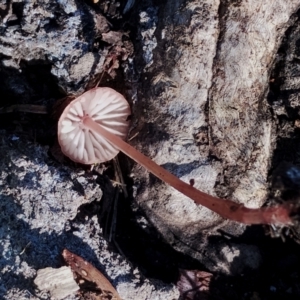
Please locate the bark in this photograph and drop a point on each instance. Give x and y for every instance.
(204, 108)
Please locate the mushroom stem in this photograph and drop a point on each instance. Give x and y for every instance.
(225, 208)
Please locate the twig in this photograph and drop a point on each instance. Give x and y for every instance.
(23, 251)
(119, 176)
(29, 108)
(135, 135)
(117, 183)
(99, 81)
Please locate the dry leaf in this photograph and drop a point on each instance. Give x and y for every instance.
(112, 60)
(194, 284)
(93, 284)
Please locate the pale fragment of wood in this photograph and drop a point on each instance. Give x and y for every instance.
(59, 282)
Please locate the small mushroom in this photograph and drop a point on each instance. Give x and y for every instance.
(92, 129)
(105, 107)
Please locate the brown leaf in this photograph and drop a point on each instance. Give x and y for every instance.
(93, 284)
(194, 284)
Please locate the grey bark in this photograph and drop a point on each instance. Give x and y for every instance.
(205, 113)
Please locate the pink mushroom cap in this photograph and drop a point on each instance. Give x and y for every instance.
(106, 107)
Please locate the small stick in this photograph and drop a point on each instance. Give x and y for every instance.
(23, 251)
(29, 108)
(117, 183)
(135, 135)
(99, 81)
(119, 176)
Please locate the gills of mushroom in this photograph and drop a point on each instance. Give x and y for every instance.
(106, 108)
(92, 129)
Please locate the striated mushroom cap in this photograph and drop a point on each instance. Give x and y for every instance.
(106, 107)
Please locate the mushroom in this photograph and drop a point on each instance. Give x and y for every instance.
(104, 107)
(92, 129)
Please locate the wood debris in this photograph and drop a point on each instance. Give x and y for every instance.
(93, 284)
(58, 282)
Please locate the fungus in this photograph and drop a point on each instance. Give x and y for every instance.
(106, 108)
(92, 129)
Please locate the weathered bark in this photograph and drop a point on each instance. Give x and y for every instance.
(205, 114)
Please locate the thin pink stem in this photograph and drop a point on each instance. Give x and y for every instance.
(225, 208)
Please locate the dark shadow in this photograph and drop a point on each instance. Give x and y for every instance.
(276, 278)
(33, 85)
(137, 239)
(181, 169)
(287, 149)
(154, 133)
